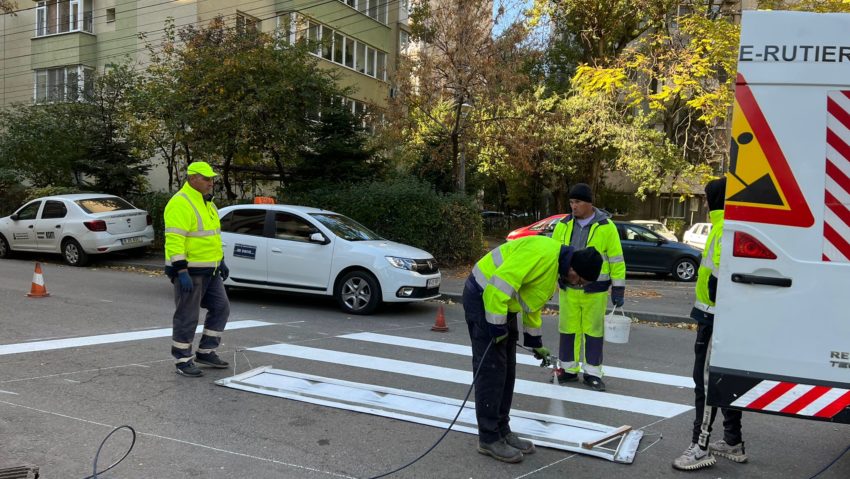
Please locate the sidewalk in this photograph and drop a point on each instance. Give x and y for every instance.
(653, 300)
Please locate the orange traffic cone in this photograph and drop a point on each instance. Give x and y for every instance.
(440, 323)
(38, 290)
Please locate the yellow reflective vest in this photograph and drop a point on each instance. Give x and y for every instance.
(519, 276)
(603, 236)
(710, 263)
(192, 231)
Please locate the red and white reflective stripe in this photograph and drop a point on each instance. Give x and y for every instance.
(836, 218)
(792, 398)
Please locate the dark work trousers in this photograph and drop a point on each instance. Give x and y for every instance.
(494, 386)
(208, 293)
(731, 417)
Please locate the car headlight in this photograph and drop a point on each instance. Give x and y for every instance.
(402, 263)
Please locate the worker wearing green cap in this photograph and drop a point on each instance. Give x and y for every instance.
(194, 261)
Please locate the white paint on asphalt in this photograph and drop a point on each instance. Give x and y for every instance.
(8, 392)
(593, 398)
(622, 373)
(110, 338)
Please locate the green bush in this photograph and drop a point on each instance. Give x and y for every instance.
(407, 211)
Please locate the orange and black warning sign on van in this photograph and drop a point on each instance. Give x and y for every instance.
(760, 185)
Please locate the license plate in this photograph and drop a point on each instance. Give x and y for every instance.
(133, 240)
(433, 283)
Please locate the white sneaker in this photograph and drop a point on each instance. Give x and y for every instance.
(694, 458)
(734, 453)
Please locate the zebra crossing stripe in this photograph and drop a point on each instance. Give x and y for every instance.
(526, 359)
(110, 338)
(649, 407)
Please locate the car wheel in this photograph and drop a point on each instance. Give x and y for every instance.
(73, 253)
(685, 269)
(358, 292)
(5, 251)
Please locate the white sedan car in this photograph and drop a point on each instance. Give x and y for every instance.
(76, 226)
(658, 227)
(697, 235)
(309, 250)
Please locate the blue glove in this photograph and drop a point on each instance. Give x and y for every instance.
(498, 332)
(224, 270)
(185, 281)
(618, 294)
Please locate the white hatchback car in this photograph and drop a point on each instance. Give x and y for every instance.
(697, 235)
(76, 226)
(309, 250)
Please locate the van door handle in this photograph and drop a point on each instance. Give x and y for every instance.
(276, 250)
(766, 280)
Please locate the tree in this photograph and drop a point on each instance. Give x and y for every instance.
(244, 100)
(453, 70)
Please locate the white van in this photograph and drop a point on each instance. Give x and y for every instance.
(781, 341)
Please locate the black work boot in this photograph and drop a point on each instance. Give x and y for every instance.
(211, 359)
(500, 450)
(524, 445)
(189, 369)
(594, 382)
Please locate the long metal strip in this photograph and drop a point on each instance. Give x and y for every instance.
(545, 430)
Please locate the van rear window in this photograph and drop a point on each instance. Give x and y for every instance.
(104, 205)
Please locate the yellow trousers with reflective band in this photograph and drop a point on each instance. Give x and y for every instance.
(582, 326)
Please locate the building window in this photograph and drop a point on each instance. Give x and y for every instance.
(403, 41)
(377, 9)
(63, 16)
(335, 47)
(245, 23)
(110, 15)
(73, 83)
(671, 207)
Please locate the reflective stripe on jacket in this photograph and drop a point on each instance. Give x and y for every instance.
(192, 231)
(710, 263)
(519, 276)
(604, 237)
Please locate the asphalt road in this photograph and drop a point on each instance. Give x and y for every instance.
(57, 405)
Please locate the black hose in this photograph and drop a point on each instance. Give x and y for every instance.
(831, 463)
(474, 377)
(97, 454)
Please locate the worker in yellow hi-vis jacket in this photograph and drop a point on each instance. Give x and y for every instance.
(582, 308)
(519, 276)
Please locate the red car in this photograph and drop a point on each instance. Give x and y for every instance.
(545, 225)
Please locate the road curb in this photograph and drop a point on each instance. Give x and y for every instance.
(639, 315)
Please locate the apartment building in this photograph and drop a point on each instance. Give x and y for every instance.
(50, 49)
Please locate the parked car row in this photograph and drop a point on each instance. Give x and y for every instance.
(644, 250)
(277, 247)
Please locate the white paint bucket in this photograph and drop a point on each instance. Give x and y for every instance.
(617, 327)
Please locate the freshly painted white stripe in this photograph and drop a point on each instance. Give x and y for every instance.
(622, 373)
(822, 402)
(612, 401)
(792, 395)
(754, 393)
(8, 392)
(110, 338)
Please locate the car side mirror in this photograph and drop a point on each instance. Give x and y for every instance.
(319, 238)
(14, 217)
